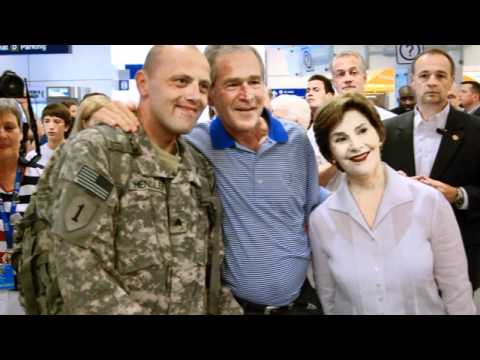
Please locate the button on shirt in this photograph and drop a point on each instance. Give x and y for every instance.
(267, 197)
(426, 139)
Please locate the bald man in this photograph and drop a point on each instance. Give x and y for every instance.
(137, 222)
(406, 100)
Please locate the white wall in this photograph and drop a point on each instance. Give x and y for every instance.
(471, 66)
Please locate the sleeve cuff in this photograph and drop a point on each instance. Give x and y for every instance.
(465, 197)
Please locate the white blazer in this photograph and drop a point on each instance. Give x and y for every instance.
(414, 251)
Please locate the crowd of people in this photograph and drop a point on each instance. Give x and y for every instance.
(285, 206)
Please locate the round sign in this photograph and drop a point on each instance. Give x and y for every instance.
(307, 59)
(409, 52)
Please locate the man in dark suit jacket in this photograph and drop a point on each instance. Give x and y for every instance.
(470, 97)
(441, 147)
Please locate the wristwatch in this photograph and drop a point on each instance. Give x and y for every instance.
(459, 199)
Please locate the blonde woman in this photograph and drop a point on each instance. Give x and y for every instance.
(89, 105)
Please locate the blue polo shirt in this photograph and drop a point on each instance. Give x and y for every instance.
(267, 197)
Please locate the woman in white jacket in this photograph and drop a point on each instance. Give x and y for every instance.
(382, 243)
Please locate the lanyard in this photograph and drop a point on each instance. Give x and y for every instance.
(7, 225)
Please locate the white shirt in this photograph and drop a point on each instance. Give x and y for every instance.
(384, 114)
(426, 139)
(318, 155)
(413, 250)
(46, 152)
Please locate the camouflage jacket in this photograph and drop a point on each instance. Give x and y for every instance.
(151, 246)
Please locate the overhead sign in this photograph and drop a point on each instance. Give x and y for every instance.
(297, 92)
(307, 59)
(407, 53)
(316, 58)
(123, 85)
(34, 49)
(59, 92)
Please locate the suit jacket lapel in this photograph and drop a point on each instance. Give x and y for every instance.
(449, 144)
(405, 138)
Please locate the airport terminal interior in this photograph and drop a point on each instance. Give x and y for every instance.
(59, 73)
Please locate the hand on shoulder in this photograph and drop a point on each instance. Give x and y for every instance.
(118, 114)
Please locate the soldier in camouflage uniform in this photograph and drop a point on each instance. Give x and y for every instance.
(140, 232)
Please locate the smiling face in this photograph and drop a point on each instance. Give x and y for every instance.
(10, 136)
(355, 145)
(175, 89)
(238, 93)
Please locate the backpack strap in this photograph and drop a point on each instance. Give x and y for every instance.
(119, 145)
(211, 203)
(24, 257)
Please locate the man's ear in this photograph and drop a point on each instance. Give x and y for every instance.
(141, 79)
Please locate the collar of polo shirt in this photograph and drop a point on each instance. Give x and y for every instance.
(221, 139)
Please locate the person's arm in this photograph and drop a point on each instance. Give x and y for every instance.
(313, 193)
(325, 173)
(471, 193)
(117, 114)
(84, 231)
(450, 263)
(324, 282)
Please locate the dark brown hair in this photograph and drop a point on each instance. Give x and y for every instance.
(58, 110)
(327, 84)
(475, 86)
(332, 114)
(69, 103)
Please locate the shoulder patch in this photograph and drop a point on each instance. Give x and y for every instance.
(93, 182)
(79, 213)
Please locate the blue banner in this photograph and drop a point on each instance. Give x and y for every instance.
(35, 49)
(133, 68)
(297, 92)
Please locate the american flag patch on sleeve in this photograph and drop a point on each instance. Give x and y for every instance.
(94, 183)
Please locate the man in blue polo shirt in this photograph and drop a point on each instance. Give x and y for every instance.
(267, 181)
